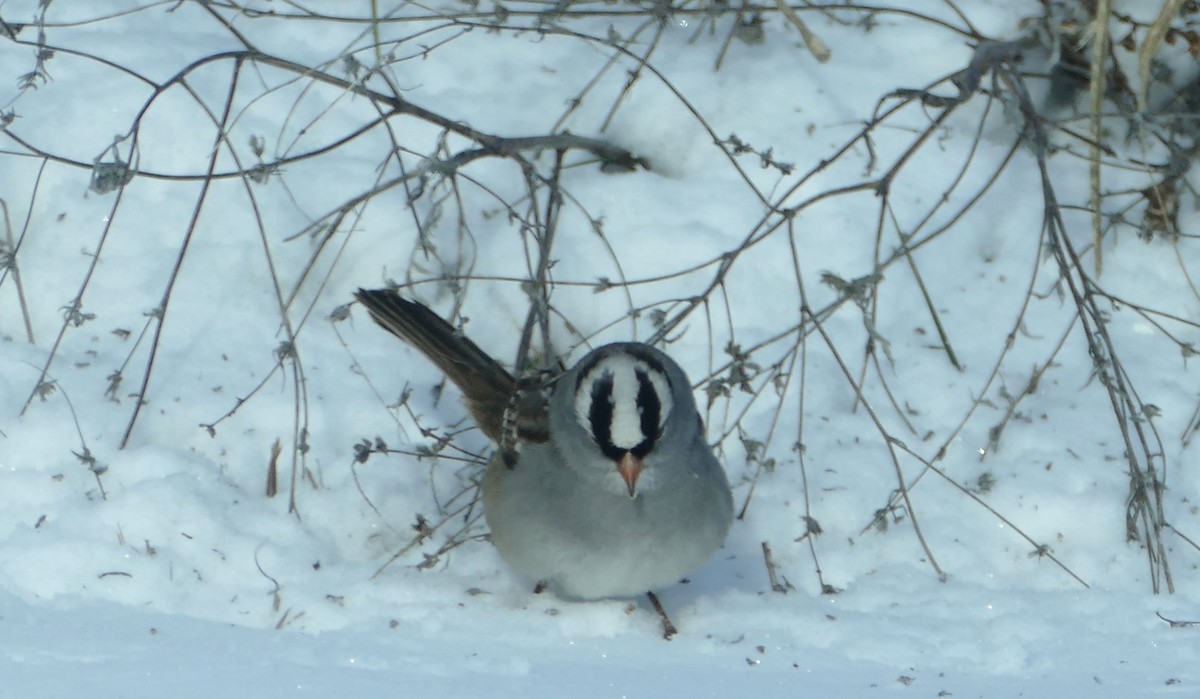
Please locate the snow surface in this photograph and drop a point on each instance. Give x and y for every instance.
(171, 573)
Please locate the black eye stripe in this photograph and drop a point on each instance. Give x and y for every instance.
(600, 416)
(650, 407)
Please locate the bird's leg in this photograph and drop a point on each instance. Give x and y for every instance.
(669, 629)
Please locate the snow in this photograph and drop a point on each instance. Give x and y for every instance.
(172, 572)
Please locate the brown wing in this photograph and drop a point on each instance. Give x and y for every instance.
(486, 386)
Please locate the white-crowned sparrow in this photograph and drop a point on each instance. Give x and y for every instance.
(605, 488)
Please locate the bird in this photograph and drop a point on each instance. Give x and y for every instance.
(602, 484)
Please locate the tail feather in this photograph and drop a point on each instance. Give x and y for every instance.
(487, 387)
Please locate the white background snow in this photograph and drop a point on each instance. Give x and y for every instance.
(172, 573)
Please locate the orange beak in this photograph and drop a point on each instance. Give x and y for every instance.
(630, 467)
